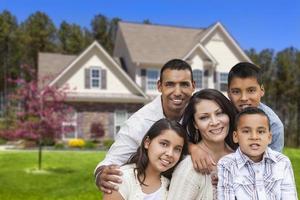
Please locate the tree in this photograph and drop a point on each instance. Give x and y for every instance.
(9, 51)
(39, 35)
(71, 37)
(40, 112)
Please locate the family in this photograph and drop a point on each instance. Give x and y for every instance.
(191, 145)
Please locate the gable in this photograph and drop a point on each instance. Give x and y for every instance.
(223, 47)
(94, 57)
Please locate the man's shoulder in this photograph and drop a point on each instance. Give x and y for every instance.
(152, 110)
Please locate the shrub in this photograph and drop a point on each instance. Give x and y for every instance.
(90, 145)
(59, 145)
(97, 130)
(2, 141)
(79, 143)
(108, 142)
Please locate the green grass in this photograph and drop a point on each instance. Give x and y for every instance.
(68, 175)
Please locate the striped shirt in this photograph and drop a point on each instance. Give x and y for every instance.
(241, 178)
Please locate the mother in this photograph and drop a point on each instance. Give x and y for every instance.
(208, 119)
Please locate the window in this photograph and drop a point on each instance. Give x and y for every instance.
(198, 77)
(223, 81)
(95, 77)
(69, 128)
(152, 77)
(120, 117)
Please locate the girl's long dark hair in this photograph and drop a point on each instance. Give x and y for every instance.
(140, 158)
(224, 103)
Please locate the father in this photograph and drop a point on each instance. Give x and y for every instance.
(176, 86)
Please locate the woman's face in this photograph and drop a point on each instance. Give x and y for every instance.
(211, 121)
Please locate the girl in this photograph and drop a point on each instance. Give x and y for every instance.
(208, 119)
(144, 175)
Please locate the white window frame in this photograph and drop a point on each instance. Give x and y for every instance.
(117, 122)
(72, 122)
(202, 77)
(151, 82)
(95, 78)
(222, 80)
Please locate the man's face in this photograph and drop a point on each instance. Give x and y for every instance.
(245, 92)
(253, 135)
(176, 88)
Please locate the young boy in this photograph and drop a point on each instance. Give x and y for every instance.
(245, 89)
(255, 171)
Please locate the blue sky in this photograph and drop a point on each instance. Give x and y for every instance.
(257, 24)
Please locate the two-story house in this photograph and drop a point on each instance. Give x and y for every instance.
(109, 89)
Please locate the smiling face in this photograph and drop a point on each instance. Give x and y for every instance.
(245, 92)
(253, 135)
(176, 88)
(164, 151)
(211, 121)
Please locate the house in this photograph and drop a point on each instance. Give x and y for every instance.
(109, 89)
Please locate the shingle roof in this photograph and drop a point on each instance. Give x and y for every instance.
(156, 44)
(51, 64)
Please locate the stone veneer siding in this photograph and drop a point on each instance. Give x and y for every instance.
(87, 113)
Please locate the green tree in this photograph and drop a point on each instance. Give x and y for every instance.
(9, 53)
(71, 38)
(39, 36)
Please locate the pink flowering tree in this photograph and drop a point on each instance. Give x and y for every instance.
(40, 111)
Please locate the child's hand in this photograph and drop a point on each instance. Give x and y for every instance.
(202, 160)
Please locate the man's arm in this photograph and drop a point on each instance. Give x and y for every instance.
(126, 143)
(202, 160)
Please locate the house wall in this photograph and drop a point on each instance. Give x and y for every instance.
(88, 113)
(222, 52)
(77, 80)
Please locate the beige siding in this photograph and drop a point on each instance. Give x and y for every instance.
(114, 85)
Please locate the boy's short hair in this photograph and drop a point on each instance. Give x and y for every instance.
(176, 64)
(250, 111)
(244, 70)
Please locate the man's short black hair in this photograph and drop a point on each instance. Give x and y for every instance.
(244, 70)
(250, 111)
(176, 64)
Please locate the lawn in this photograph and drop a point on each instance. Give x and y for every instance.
(68, 174)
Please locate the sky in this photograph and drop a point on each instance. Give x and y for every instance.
(257, 24)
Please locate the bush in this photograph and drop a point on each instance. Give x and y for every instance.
(79, 143)
(107, 143)
(90, 145)
(2, 141)
(59, 145)
(97, 130)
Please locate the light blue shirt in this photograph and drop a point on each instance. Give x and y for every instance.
(277, 128)
(242, 179)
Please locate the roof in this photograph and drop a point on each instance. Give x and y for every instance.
(51, 64)
(156, 44)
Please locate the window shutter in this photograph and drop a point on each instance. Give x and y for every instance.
(103, 79)
(143, 79)
(87, 78)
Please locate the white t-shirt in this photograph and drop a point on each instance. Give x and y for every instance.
(130, 188)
